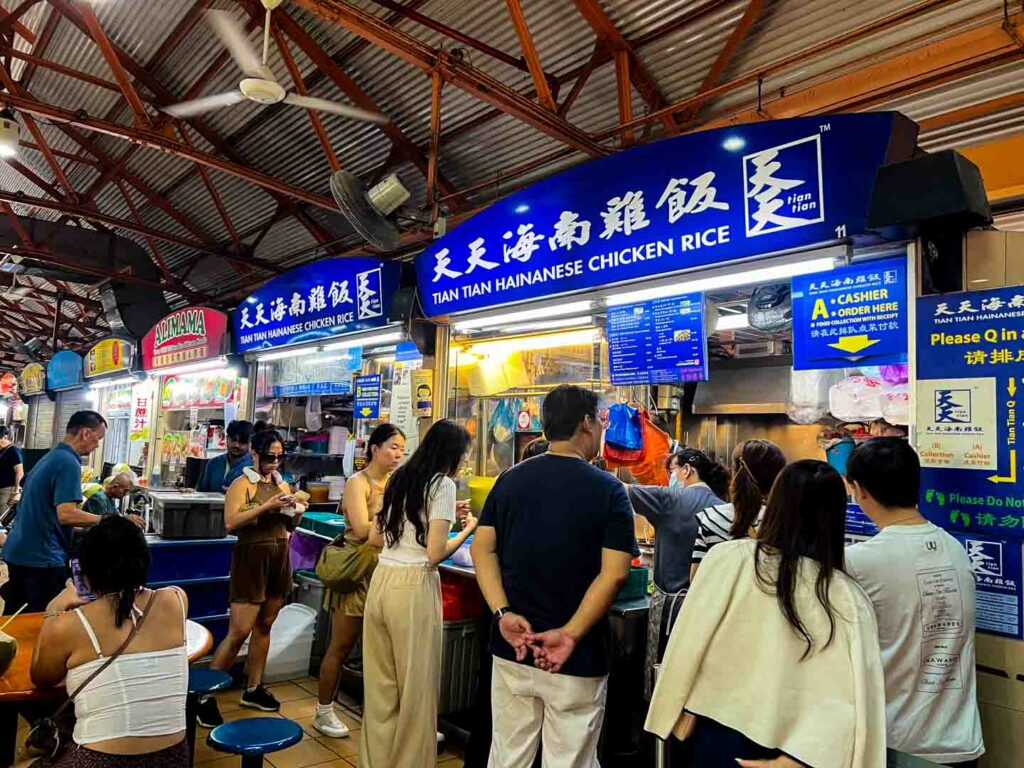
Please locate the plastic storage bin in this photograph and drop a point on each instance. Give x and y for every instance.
(460, 665)
(291, 643)
(635, 586)
(309, 591)
(177, 515)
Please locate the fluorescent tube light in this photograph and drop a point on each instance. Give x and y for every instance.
(121, 381)
(204, 366)
(527, 343)
(732, 322)
(549, 325)
(489, 321)
(364, 341)
(741, 276)
(287, 353)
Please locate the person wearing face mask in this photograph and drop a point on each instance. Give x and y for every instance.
(261, 511)
(672, 512)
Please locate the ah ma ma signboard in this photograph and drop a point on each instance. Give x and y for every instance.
(187, 335)
(700, 199)
(317, 301)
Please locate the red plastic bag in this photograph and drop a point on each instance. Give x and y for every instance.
(649, 469)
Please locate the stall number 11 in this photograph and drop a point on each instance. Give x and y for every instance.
(841, 231)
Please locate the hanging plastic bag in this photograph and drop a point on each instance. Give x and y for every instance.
(624, 430)
(895, 401)
(895, 374)
(503, 421)
(650, 468)
(857, 398)
(314, 417)
(808, 394)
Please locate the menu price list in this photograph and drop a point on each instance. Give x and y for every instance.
(661, 341)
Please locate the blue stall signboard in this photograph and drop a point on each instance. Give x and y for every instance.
(317, 301)
(64, 371)
(854, 313)
(996, 563)
(658, 342)
(970, 368)
(367, 402)
(704, 198)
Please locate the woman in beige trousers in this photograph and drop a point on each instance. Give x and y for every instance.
(402, 620)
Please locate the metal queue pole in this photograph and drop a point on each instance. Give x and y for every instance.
(661, 759)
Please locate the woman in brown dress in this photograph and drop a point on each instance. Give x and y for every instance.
(260, 509)
(364, 493)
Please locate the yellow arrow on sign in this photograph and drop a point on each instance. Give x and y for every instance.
(365, 412)
(1013, 470)
(1012, 387)
(854, 344)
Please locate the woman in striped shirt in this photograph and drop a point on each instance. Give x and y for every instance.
(755, 465)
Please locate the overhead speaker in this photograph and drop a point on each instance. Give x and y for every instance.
(367, 210)
(403, 305)
(942, 190)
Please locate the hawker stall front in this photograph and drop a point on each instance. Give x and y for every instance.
(64, 377)
(191, 393)
(40, 406)
(110, 375)
(197, 393)
(710, 288)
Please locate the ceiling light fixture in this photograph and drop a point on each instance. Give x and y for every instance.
(734, 278)
(365, 341)
(554, 310)
(9, 133)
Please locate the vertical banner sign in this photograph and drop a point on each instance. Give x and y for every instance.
(996, 563)
(658, 342)
(856, 313)
(970, 370)
(367, 400)
(691, 201)
(423, 384)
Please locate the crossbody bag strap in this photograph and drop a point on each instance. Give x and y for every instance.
(110, 659)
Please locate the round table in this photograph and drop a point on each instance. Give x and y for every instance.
(16, 687)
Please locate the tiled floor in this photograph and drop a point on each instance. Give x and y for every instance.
(298, 703)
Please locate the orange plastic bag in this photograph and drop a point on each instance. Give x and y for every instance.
(650, 468)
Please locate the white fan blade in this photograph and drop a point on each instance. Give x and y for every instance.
(322, 105)
(232, 35)
(204, 104)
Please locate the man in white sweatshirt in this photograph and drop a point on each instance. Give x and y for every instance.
(920, 582)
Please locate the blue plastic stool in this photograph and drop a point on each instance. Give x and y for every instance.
(201, 682)
(254, 737)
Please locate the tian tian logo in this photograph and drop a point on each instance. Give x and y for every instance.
(784, 187)
(368, 295)
(986, 557)
(952, 406)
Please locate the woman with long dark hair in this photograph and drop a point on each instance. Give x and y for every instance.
(672, 512)
(402, 623)
(775, 655)
(133, 712)
(362, 501)
(261, 510)
(755, 465)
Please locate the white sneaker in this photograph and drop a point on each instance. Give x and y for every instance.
(329, 725)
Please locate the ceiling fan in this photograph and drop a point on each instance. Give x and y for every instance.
(258, 84)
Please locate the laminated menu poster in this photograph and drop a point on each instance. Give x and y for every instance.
(970, 369)
(661, 341)
(996, 563)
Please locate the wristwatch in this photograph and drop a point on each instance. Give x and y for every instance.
(501, 612)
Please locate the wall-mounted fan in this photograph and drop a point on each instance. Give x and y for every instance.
(258, 84)
(367, 210)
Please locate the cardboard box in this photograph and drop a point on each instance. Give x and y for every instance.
(1000, 664)
(1003, 730)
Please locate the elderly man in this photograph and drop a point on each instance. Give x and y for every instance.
(102, 501)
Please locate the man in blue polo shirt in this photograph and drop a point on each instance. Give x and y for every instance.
(37, 546)
(221, 471)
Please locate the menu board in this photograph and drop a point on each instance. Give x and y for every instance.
(660, 341)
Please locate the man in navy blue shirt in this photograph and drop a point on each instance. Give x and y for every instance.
(220, 472)
(37, 547)
(551, 552)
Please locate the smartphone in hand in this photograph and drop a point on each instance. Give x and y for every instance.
(76, 578)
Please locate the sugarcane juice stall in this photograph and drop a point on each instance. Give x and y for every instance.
(659, 278)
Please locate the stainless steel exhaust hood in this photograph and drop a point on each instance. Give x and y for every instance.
(745, 386)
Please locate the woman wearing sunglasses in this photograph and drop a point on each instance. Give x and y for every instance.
(261, 511)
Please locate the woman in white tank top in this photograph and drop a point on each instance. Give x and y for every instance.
(136, 706)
